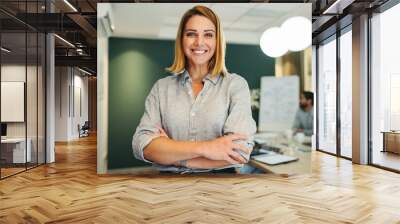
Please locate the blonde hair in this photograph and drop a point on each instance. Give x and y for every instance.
(216, 64)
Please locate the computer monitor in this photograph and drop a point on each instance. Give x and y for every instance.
(3, 129)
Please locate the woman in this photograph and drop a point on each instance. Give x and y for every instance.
(199, 118)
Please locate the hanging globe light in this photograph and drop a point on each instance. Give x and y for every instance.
(272, 42)
(297, 33)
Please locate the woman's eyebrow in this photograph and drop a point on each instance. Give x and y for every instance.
(187, 30)
(210, 30)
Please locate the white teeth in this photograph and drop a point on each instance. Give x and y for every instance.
(199, 51)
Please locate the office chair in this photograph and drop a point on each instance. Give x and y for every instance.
(84, 130)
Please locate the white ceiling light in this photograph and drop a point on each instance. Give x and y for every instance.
(272, 42)
(5, 50)
(297, 33)
(84, 71)
(338, 6)
(64, 40)
(70, 5)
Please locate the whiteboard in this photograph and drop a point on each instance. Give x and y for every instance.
(12, 101)
(279, 102)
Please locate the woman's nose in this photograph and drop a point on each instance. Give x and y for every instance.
(199, 41)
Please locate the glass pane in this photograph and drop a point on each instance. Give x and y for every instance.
(327, 97)
(346, 94)
(31, 84)
(41, 98)
(386, 89)
(31, 100)
(13, 87)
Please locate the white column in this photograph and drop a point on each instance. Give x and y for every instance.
(360, 90)
(50, 99)
(50, 92)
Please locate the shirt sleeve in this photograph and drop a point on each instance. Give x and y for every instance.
(296, 122)
(240, 118)
(309, 131)
(149, 124)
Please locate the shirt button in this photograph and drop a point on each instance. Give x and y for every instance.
(193, 114)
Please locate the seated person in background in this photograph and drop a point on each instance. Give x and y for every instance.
(303, 122)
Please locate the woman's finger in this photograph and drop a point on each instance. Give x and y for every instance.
(162, 132)
(242, 148)
(238, 136)
(236, 156)
(230, 160)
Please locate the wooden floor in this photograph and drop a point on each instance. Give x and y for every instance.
(5, 172)
(387, 159)
(8, 171)
(70, 191)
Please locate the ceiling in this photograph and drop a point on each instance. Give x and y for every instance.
(243, 23)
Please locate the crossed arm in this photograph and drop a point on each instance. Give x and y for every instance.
(151, 144)
(201, 154)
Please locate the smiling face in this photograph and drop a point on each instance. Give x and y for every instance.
(199, 40)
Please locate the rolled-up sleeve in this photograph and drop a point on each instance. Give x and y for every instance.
(240, 118)
(149, 124)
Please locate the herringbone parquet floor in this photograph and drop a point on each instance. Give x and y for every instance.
(70, 191)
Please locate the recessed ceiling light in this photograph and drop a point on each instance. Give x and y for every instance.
(84, 71)
(70, 5)
(64, 40)
(5, 50)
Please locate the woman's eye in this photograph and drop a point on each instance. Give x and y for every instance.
(209, 35)
(190, 34)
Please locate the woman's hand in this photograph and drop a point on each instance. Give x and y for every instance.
(222, 148)
(204, 163)
(161, 132)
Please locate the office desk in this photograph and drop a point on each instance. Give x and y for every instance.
(291, 148)
(15, 148)
(391, 141)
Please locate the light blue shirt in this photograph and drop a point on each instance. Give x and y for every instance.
(223, 106)
(304, 120)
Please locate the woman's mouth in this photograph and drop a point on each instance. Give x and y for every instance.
(199, 52)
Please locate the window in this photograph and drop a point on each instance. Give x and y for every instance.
(346, 93)
(327, 96)
(385, 87)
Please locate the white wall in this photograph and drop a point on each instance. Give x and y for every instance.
(62, 81)
(79, 117)
(70, 84)
(12, 73)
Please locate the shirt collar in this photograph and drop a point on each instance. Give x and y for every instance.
(213, 79)
(184, 75)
